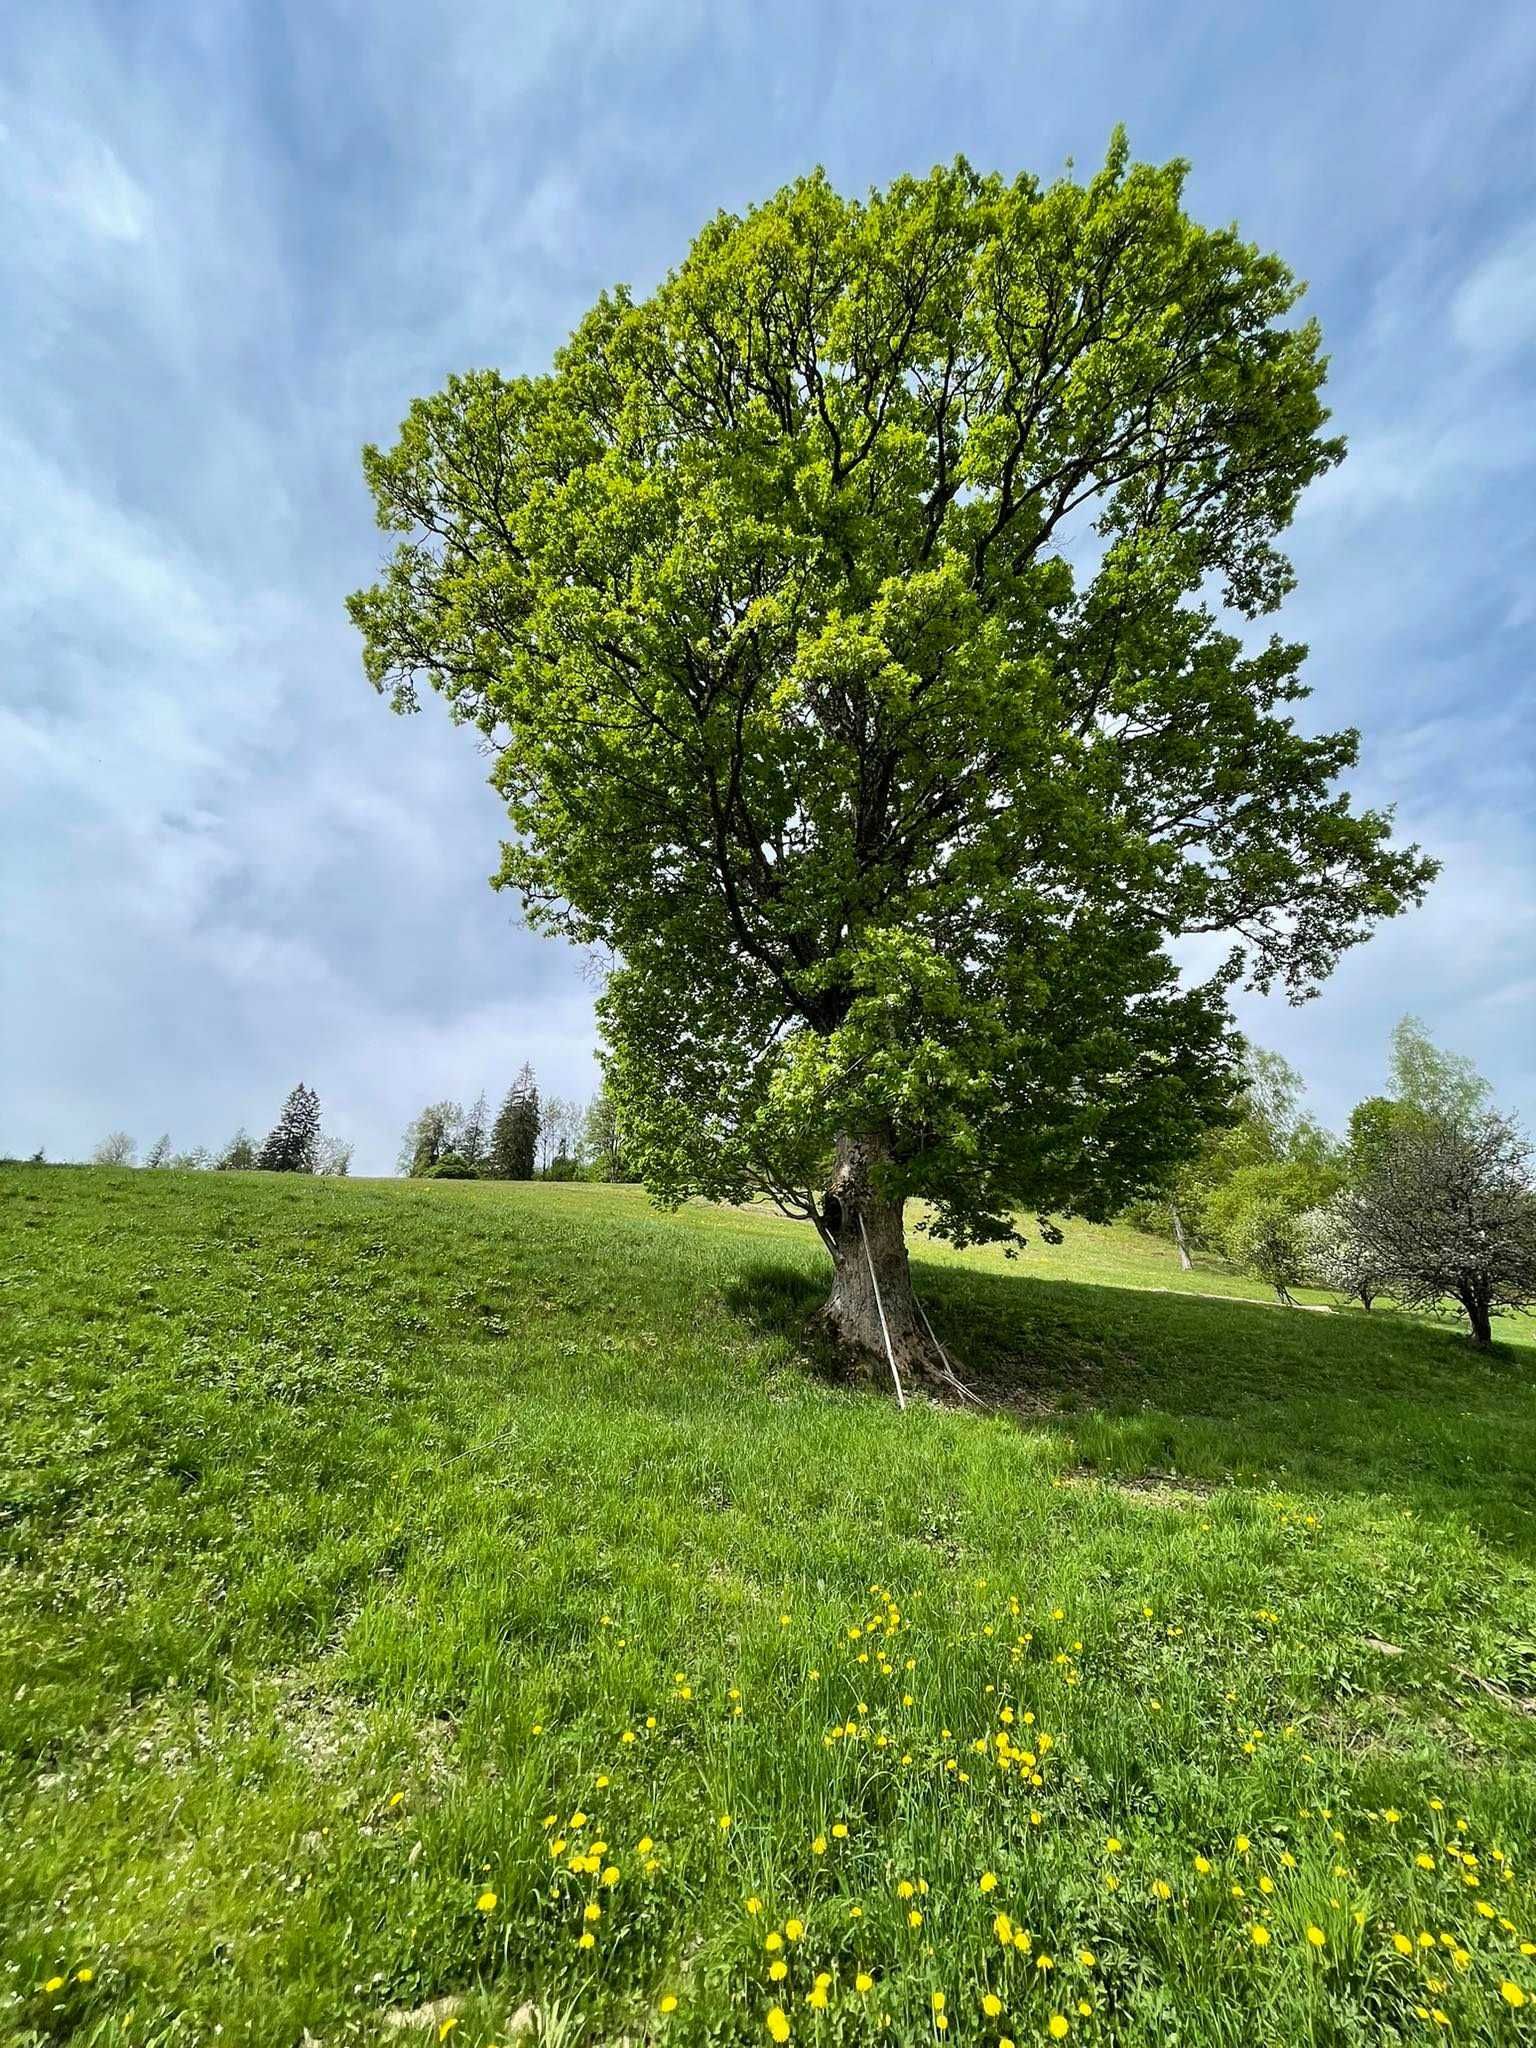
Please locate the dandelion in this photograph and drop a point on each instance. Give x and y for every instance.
(84, 1976)
(1243, 1845)
(1114, 1845)
(863, 1981)
(778, 1970)
(724, 1821)
(1259, 1934)
(839, 1831)
(1002, 1927)
(1402, 1944)
(988, 1881)
(1058, 2026)
(592, 1910)
(937, 2001)
(1511, 1993)
(778, 2023)
(1316, 1936)
(486, 1902)
(610, 1876)
(905, 1889)
(54, 1984)
(754, 1906)
(1045, 1962)
(914, 1918)
(1424, 1862)
(667, 2002)
(1162, 1889)
(1202, 1866)
(991, 2005)
(774, 1941)
(819, 1846)
(446, 2028)
(794, 1929)
(588, 1940)
(1087, 1958)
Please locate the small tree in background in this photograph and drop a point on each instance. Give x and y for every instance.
(1266, 1239)
(474, 1138)
(292, 1143)
(116, 1149)
(430, 1133)
(334, 1158)
(1337, 1257)
(559, 1137)
(601, 1136)
(1447, 1211)
(515, 1136)
(239, 1155)
(159, 1154)
(195, 1161)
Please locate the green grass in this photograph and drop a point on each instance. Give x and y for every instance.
(348, 1529)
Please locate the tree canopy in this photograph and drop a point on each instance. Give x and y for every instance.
(846, 618)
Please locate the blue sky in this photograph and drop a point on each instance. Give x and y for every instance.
(240, 238)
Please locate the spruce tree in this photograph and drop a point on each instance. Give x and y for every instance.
(515, 1135)
(293, 1141)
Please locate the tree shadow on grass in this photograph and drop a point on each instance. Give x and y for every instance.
(1223, 1391)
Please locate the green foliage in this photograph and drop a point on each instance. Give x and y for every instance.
(515, 1134)
(431, 1133)
(239, 1155)
(1443, 1085)
(321, 1497)
(1288, 1185)
(1264, 1235)
(116, 1149)
(292, 1145)
(449, 1167)
(799, 708)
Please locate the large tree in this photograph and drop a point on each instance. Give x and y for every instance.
(291, 1146)
(515, 1133)
(845, 621)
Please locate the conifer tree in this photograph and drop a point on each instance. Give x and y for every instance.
(293, 1141)
(515, 1136)
(471, 1147)
(239, 1155)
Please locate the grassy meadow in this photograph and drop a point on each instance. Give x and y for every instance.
(464, 1612)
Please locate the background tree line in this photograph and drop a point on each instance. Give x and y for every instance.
(1427, 1199)
(531, 1137)
(295, 1144)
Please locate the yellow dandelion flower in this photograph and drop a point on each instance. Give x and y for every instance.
(794, 1929)
(905, 1889)
(1202, 1866)
(989, 1881)
(991, 2005)
(1402, 1944)
(1087, 1958)
(778, 2023)
(819, 1846)
(1511, 1993)
(1259, 1934)
(1242, 1845)
(1058, 2026)
(592, 1910)
(778, 1970)
(863, 1981)
(774, 1941)
(54, 1984)
(724, 1821)
(1162, 1889)
(937, 2001)
(1316, 1936)
(84, 1976)
(486, 1902)
(446, 2028)
(667, 2002)
(754, 1905)
(914, 1918)
(588, 1940)
(839, 1831)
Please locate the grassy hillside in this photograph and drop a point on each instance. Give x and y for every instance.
(438, 1611)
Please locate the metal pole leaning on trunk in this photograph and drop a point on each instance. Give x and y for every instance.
(901, 1399)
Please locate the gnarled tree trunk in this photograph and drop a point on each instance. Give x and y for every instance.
(872, 1310)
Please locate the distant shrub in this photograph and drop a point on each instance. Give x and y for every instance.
(450, 1167)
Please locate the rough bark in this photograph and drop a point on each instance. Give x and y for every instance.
(872, 1302)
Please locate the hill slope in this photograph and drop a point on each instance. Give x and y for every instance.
(401, 1584)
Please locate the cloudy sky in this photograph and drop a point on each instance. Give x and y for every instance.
(239, 238)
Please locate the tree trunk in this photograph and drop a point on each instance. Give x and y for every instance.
(1476, 1307)
(1185, 1261)
(872, 1311)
